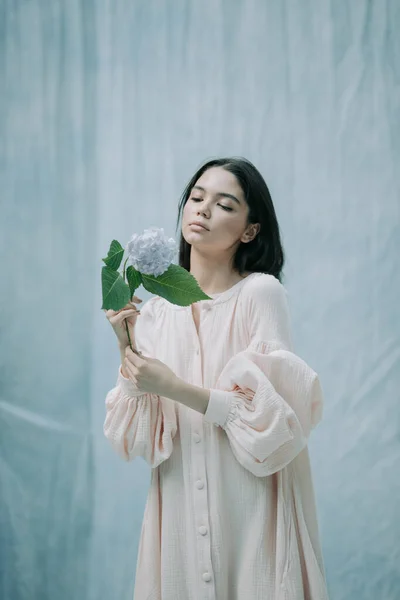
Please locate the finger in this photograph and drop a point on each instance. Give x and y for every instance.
(136, 299)
(134, 357)
(132, 352)
(130, 374)
(128, 307)
(114, 313)
(128, 311)
(123, 315)
(131, 369)
(131, 356)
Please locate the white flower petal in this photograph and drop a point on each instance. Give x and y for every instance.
(152, 252)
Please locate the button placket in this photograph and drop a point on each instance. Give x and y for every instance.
(202, 511)
(200, 491)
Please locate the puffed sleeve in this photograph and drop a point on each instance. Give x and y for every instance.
(267, 399)
(137, 423)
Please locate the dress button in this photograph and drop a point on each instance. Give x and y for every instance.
(196, 437)
(206, 577)
(199, 484)
(203, 530)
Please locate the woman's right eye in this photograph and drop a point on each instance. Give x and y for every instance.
(195, 199)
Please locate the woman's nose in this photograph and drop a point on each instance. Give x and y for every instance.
(203, 211)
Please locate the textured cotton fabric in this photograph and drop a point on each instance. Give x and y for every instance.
(231, 511)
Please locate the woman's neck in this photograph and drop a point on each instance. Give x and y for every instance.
(213, 277)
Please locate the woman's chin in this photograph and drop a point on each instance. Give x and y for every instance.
(195, 238)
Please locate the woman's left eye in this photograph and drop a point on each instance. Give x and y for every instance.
(227, 208)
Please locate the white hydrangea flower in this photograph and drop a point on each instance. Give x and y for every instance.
(152, 252)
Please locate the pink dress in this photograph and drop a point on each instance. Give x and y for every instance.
(230, 512)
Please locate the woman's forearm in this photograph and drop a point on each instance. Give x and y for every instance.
(171, 386)
(193, 396)
(122, 353)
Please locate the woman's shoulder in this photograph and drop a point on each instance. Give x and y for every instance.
(264, 287)
(266, 308)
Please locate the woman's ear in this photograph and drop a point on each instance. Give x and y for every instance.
(250, 233)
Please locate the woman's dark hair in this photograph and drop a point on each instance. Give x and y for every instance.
(265, 252)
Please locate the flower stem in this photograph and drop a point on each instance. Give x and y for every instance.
(126, 323)
(123, 274)
(129, 337)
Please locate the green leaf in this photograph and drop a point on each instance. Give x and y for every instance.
(116, 292)
(176, 285)
(114, 256)
(134, 279)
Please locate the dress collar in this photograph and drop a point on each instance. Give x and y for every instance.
(220, 297)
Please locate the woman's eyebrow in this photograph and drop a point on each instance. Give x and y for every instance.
(219, 194)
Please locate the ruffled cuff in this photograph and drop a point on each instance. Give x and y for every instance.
(128, 388)
(220, 404)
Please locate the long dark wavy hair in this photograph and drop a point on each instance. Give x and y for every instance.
(265, 252)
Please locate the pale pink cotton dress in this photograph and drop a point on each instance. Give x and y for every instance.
(231, 512)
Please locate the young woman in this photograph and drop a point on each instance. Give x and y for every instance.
(221, 408)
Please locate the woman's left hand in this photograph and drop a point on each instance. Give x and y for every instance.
(150, 374)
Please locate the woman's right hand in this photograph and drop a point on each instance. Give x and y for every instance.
(117, 318)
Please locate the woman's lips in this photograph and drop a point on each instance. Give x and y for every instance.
(198, 227)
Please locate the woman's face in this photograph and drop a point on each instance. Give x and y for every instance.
(217, 202)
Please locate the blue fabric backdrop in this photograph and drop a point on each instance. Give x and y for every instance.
(107, 108)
